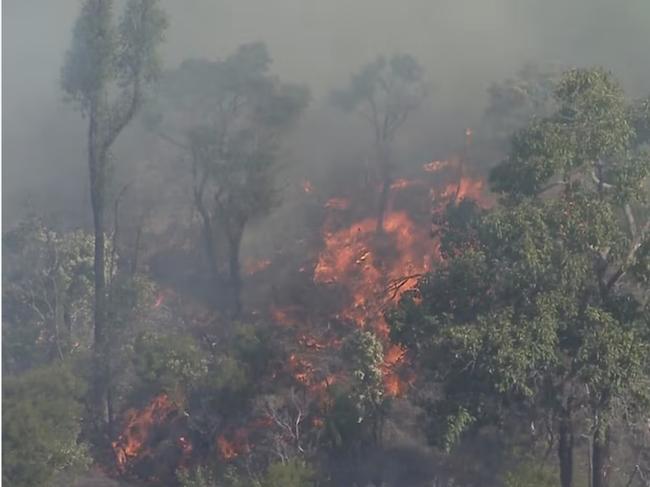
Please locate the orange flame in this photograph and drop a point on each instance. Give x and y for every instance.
(394, 359)
(353, 257)
(374, 270)
(226, 449)
(285, 315)
(237, 442)
(138, 428)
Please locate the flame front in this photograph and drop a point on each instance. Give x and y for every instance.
(373, 269)
(138, 427)
(357, 258)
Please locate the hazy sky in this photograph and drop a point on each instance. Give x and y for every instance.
(464, 45)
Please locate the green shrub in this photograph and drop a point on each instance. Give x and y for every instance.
(531, 474)
(41, 412)
(294, 473)
(169, 362)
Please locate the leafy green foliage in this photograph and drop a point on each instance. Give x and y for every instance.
(590, 131)
(169, 363)
(239, 111)
(41, 412)
(102, 53)
(640, 115)
(47, 294)
(342, 427)
(530, 474)
(367, 356)
(238, 116)
(197, 477)
(537, 305)
(294, 473)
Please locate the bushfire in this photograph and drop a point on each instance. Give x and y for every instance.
(139, 426)
(372, 268)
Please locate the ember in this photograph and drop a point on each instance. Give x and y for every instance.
(226, 449)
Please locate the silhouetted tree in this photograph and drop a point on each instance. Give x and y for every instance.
(513, 102)
(232, 115)
(106, 72)
(385, 93)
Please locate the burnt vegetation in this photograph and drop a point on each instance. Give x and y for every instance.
(231, 316)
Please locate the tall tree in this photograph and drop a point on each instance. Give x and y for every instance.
(232, 115)
(541, 306)
(105, 73)
(385, 93)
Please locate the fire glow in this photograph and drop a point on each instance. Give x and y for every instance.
(138, 427)
(373, 269)
(351, 258)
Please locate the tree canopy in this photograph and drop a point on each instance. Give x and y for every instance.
(540, 306)
(231, 115)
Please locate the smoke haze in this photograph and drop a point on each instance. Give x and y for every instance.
(463, 44)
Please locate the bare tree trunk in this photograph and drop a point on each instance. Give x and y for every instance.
(97, 170)
(234, 244)
(600, 455)
(206, 218)
(565, 451)
(101, 353)
(210, 247)
(384, 168)
(383, 201)
(136, 246)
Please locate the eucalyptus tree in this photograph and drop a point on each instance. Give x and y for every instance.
(105, 74)
(229, 117)
(515, 101)
(384, 92)
(540, 308)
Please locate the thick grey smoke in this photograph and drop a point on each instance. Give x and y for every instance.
(464, 45)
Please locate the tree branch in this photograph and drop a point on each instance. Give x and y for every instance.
(636, 244)
(630, 220)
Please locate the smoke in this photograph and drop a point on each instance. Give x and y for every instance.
(463, 44)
